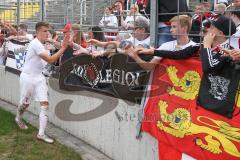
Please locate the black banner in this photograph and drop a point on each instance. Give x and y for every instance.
(118, 76)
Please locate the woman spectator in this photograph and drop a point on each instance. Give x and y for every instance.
(78, 36)
(141, 5)
(128, 23)
(117, 10)
(77, 42)
(108, 20)
(95, 33)
(219, 8)
(109, 23)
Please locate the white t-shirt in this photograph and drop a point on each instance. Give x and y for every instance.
(235, 39)
(30, 37)
(34, 64)
(136, 42)
(171, 46)
(110, 23)
(129, 19)
(220, 1)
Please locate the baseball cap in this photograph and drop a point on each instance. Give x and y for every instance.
(224, 24)
(66, 28)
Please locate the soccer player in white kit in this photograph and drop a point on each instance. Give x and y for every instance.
(33, 84)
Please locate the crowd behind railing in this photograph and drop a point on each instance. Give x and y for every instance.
(128, 31)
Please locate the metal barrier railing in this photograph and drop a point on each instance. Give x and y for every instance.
(83, 11)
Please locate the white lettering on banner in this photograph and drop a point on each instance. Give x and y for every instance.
(116, 75)
(108, 78)
(126, 78)
(119, 76)
(78, 70)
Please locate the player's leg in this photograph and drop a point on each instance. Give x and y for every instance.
(26, 90)
(41, 95)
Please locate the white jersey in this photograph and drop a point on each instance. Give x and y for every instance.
(34, 64)
(172, 46)
(144, 43)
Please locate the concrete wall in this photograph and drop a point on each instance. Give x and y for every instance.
(111, 134)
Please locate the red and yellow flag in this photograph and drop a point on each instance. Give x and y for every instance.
(172, 116)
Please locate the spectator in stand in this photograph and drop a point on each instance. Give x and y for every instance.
(11, 29)
(78, 36)
(215, 65)
(233, 54)
(219, 8)
(49, 44)
(122, 3)
(3, 45)
(164, 8)
(180, 27)
(117, 11)
(49, 68)
(236, 3)
(221, 1)
(207, 5)
(202, 14)
(77, 42)
(95, 33)
(3, 35)
(108, 20)
(141, 34)
(197, 22)
(141, 37)
(128, 23)
(22, 34)
(3, 48)
(109, 23)
(22, 30)
(142, 6)
(235, 16)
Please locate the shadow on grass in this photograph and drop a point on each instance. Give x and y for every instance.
(18, 144)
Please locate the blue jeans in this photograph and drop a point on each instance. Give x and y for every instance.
(164, 35)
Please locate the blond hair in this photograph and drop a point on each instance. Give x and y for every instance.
(184, 21)
(78, 38)
(220, 7)
(136, 7)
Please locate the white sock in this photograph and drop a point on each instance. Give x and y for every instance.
(43, 118)
(20, 110)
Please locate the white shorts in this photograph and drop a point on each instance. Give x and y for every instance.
(33, 86)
